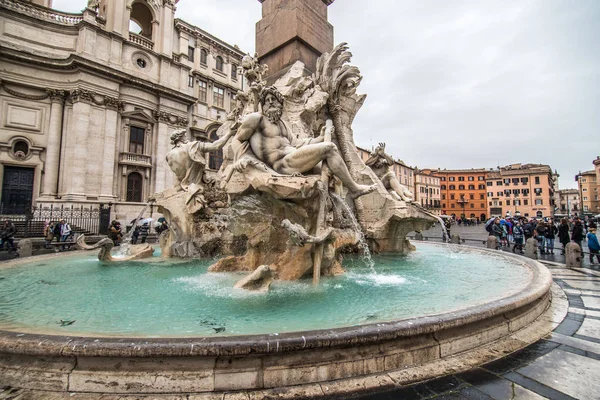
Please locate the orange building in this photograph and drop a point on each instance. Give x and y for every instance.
(463, 192)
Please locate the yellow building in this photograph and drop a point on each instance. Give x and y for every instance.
(427, 190)
(588, 191)
(521, 189)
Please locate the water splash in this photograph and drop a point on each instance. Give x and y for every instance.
(125, 247)
(362, 242)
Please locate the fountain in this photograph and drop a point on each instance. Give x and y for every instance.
(229, 306)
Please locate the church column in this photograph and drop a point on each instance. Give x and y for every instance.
(51, 166)
(110, 154)
(76, 152)
(162, 147)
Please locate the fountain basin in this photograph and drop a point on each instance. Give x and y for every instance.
(253, 362)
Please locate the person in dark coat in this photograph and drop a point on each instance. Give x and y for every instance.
(551, 231)
(577, 234)
(563, 234)
(135, 235)
(144, 230)
(7, 235)
(518, 237)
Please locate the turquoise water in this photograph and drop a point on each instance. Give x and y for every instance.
(162, 298)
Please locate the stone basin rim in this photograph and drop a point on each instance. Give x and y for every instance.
(71, 345)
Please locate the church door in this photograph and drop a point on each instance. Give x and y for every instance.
(17, 190)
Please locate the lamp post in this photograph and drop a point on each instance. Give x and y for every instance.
(462, 201)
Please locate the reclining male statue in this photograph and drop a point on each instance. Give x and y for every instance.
(381, 163)
(266, 136)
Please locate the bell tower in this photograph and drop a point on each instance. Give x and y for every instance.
(150, 19)
(292, 30)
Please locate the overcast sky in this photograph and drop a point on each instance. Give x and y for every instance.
(458, 83)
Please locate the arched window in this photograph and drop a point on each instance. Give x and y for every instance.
(203, 56)
(234, 71)
(134, 187)
(141, 20)
(215, 158)
(219, 65)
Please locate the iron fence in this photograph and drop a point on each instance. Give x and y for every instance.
(90, 219)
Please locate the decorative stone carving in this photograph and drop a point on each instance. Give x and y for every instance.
(57, 95)
(114, 104)
(187, 160)
(260, 280)
(171, 119)
(381, 164)
(82, 95)
(137, 251)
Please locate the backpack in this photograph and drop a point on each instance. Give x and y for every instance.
(528, 230)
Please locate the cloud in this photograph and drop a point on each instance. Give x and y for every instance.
(462, 83)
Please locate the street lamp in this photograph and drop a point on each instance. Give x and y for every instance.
(462, 201)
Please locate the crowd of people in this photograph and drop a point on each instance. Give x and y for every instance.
(58, 230)
(140, 231)
(516, 231)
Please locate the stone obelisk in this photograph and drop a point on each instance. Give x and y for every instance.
(292, 30)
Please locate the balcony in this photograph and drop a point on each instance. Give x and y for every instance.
(141, 160)
(140, 40)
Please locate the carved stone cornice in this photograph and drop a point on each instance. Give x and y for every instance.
(114, 104)
(171, 119)
(20, 95)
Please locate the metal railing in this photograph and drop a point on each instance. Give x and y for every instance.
(43, 13)
(82, 218)
(139, 39)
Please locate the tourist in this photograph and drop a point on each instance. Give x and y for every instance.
(65, 232)
(144, 230)
(163, 227)
(518, 236)
(540, 231)
(135, 235)
(528, 230)
(116, 233)
(7, 236)
(48, 233)
(551, 231)
(577, 234)
(593, 245)
(56, 230)
(563, 234)
(497, 231)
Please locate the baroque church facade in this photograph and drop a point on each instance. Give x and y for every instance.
(88, 101)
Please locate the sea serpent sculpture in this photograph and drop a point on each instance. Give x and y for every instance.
(137, 251)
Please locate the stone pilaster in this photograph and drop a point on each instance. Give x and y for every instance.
(162, 147)
(75, 150)
(110, 154)
(51, 167)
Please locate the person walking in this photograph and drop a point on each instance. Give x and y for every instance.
(551, 231)
(563, 234)
(48, 233)
(577, 234)
(65, 232)
(135, 235)
(593, 245)
(7, 235)
(497, 231)
(518, 236)
(540, 231)
(144, 231)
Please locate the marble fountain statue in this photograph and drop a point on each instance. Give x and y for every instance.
(291, 196)
(289, 155)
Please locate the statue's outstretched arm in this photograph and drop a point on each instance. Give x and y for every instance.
(218, 144)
